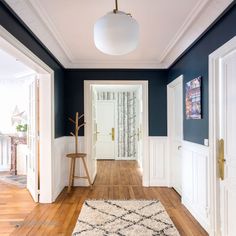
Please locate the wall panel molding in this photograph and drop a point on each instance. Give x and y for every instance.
(158, 161)
(195, 181)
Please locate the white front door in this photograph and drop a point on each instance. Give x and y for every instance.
(32, 140)
(176, 131)
(105, 146)
(227, 132)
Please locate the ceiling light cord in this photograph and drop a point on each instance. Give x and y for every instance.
(116, 9)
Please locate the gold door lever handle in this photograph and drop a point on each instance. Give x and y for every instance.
(221, 159)
(112, 134)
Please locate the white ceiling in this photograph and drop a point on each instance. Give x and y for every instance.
(167, 28)
(11, 67)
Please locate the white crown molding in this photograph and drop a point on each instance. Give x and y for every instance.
(42, 14)
(116, 64)
(30, 17)
(185, 26)
(199, 19)
(210, 10)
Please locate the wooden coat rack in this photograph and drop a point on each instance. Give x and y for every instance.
(76, 154)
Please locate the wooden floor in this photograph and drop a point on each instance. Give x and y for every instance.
(115, 180)
(15, 204)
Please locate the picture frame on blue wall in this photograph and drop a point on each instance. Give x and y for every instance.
(193, 108)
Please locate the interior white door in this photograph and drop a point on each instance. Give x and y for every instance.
(105, 146)
(176, 135)
(32, 140)
(227, 132)
(94, 123)
(140, 128)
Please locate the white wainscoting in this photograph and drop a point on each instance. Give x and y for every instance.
(158, 149)
(60, 166)
(195, 181)
(62, 146)
(5, 153)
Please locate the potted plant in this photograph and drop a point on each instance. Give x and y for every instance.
(21, 130)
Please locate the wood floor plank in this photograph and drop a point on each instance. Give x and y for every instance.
(115, 180)
(15, 205)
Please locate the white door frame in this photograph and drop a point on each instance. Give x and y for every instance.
(9, 43)
(214, 74)
(170, 86)
(88, 119)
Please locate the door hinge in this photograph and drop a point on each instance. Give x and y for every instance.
(38, 191)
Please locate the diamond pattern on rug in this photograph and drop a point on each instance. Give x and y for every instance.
(124, 218)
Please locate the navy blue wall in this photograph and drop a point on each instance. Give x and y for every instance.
(17, 28)
(194, 63)
(157, 80)
(69, 83)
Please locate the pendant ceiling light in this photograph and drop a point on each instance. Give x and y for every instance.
(116, 33)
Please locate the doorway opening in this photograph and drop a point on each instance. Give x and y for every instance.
(116, 119)
(26, 119)
(175, 131)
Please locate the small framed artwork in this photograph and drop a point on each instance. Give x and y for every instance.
(193, 99)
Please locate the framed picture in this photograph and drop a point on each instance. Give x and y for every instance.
(193, 99)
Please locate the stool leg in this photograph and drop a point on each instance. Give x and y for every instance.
(74, 163)
(86, 170)
(70, 175)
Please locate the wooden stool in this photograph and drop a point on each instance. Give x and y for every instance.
(72, 176)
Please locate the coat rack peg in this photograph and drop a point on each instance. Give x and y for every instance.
(81, 126)
(71, 120)
(72, 134)
(81, 116)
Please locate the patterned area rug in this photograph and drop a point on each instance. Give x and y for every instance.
(18, 180)
(131, 217)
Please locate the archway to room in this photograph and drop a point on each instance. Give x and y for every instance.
(116, 117)
(33, 119)
(18, 104)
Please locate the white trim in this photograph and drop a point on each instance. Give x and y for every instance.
(158, 156)
(206, 12)
(16, 48)
(201, 17)
(170, 86)
(214, 59)
(88, 117)
(195, 181)
(184, 27)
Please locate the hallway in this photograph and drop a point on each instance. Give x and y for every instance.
(115, 180)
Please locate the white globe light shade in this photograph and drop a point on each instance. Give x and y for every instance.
(116, 33)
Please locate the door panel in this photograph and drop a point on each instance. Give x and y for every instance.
(105, 146)
(32, 141)
(176, 136)
(140, 128)
(227, 131)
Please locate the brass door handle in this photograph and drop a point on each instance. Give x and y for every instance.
(96, 132)
(221, 159)
(112, 134)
